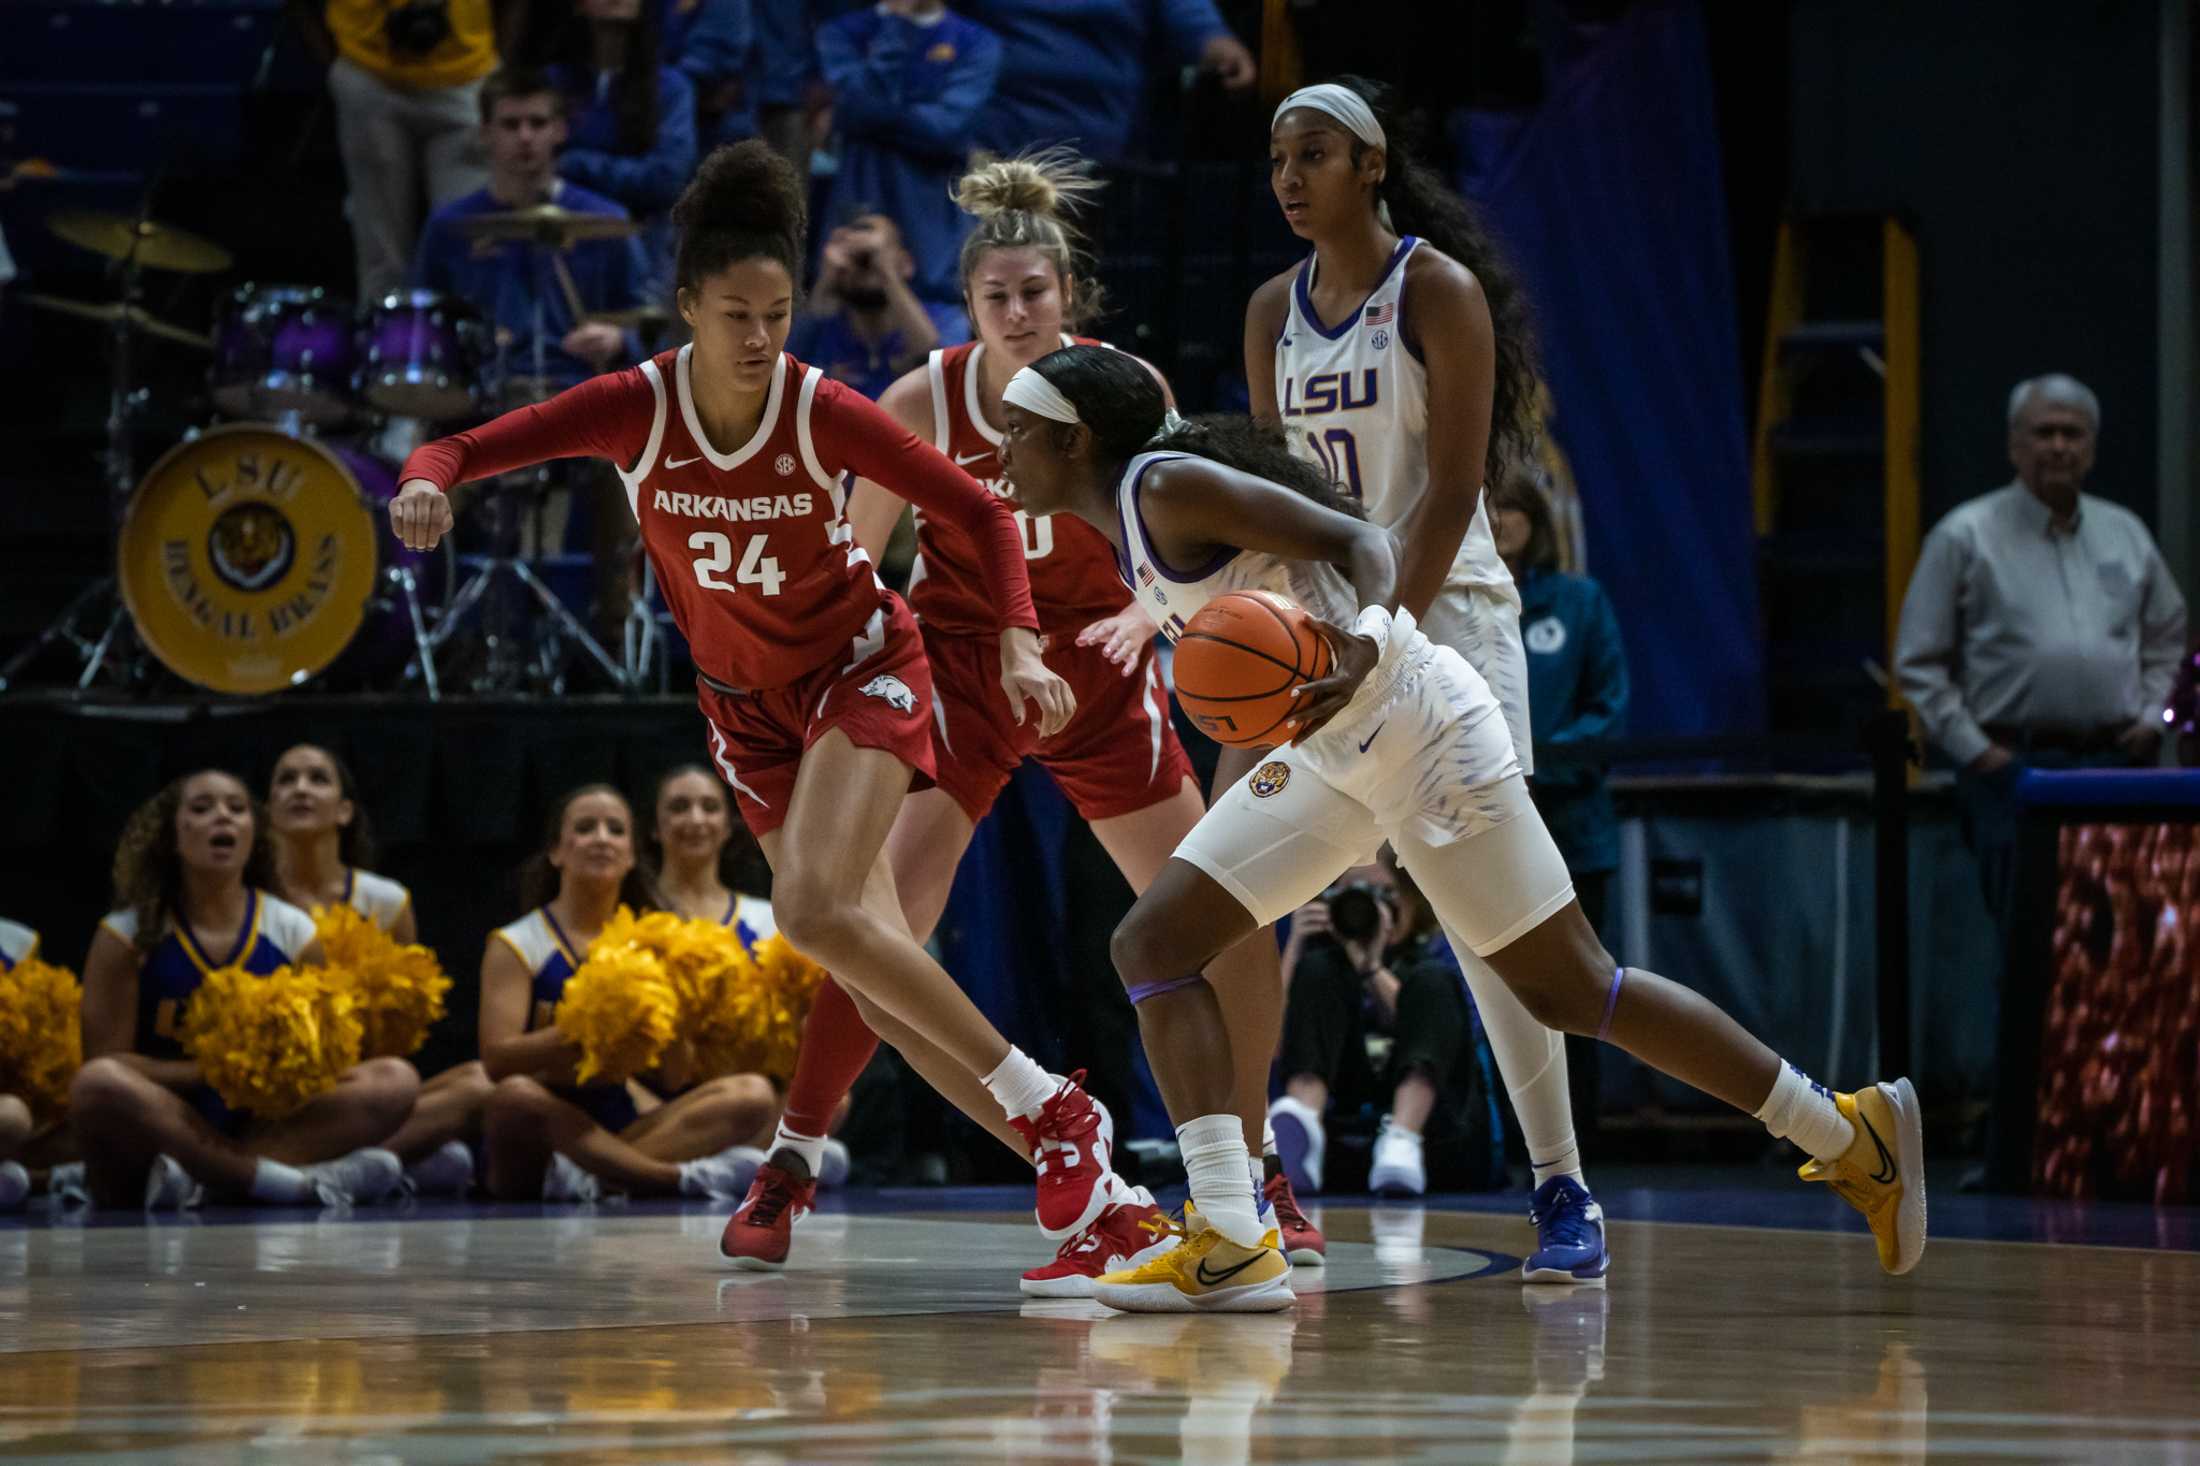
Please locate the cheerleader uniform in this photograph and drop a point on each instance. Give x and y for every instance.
(551, 959)
(18, 943)
(378, 898)
(272, 935)
(751, 919)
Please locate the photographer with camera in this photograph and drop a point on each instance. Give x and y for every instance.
(1368, 958)
(404, 76)
(863, 324)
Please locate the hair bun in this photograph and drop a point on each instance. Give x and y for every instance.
(744, 186)
(1049, 182)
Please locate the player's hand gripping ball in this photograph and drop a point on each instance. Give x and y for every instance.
(1240, 663)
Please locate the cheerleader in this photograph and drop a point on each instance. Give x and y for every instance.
(18, 943)
(547, 1136)
(191, 877)
(323, 839)
(708, 865)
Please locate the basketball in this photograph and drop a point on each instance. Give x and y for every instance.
(1239, 662)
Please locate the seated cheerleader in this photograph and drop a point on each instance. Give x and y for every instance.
(710, 868)
(18, 943)
(323, 841)
(548, 1137)
(191, 875)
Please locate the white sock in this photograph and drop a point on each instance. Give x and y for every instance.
(1267, 1137)
(1801, 1110)
(810, 1147)
(1531, 1059)
(276, 1182)
(1221, 1174)
(1023, 1088)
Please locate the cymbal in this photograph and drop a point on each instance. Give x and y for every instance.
(546, 224)
(155, 245)
(634, 317)
(110, 311)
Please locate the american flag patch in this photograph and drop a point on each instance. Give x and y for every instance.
(1382, 315)
(1145, 575)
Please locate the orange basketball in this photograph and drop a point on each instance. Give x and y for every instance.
(1239, 661)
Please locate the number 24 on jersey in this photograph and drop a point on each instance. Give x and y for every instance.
(715, 552)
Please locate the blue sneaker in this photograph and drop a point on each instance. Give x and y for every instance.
(1569, 1230)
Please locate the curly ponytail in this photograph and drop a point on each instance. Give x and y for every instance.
(745, 202)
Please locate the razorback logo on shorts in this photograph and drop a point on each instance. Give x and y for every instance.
(892, 691)
(1269, 778)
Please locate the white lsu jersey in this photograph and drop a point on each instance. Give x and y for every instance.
(1172, 596)
(18, 943)
(1354, 399)
(1443, 736)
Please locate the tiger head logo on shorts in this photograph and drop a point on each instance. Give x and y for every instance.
(1269, 778)
(892, 691)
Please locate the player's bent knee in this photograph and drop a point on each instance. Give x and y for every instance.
(820, 917)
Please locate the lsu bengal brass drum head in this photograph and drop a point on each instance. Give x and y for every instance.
(247, 558)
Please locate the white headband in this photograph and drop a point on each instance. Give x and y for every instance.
(1348, 107)
(1342, 103)
(1034, 393)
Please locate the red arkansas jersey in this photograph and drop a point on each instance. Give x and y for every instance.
(1074, 579)
(753, 554)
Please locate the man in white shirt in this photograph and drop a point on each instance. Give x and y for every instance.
(2041, 626)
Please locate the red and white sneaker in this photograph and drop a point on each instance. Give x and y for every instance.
(1303, 1242)
(1074, 1152)
(761, 1228)
(1130, 1232)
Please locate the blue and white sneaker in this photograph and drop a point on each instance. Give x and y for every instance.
(1569, 1229)
(1300, 1142)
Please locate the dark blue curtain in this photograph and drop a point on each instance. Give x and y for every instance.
(1610, 201)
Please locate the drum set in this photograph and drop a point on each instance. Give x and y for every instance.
(255, 555)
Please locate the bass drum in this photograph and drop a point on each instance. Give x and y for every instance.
(249, 557)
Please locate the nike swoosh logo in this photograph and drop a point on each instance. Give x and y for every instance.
(963, 458)
(1216, 1280)
(1886, 1173)
(1379, 727)
(683, 462)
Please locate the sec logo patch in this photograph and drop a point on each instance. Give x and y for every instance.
(785, 464)
(1268, 780)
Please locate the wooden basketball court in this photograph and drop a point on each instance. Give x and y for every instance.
(614, 1333)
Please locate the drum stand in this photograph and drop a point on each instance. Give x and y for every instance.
(110, 650)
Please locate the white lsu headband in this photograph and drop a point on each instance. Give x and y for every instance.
(1348, 107)
(1034, 393)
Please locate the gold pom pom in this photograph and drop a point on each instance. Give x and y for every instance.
(620, 1009)
(41, 1034)
(269, 1044)
(786, 982)
(398, 986)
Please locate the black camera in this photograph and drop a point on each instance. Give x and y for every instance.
(1356, 909)
(416, 27)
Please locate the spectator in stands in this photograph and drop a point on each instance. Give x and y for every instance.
(404, 75)
(713, 44)
(630, 129)
(516, 285)
(1368, 957)
(2041, 627)
(909, 80)
(1074, 71)
(790, 96)
(1577, 693)
(863, 325)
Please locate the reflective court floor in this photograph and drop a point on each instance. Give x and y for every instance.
(613, 1334)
